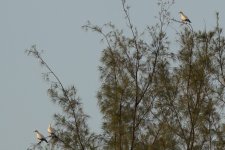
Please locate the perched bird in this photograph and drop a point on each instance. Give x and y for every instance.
(40, 137)
(51, 131)
(183, 17)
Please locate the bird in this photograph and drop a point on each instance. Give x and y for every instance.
(184, 18)
(40, 137)
(51, 131)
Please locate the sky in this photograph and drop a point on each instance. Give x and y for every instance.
(55, 27)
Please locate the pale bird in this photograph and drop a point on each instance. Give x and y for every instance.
(40, 137)
(51, 130)
(184, 18)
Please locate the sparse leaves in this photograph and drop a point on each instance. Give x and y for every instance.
(151, 97)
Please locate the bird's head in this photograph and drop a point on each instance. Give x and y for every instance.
(181, 12)
(36, 131)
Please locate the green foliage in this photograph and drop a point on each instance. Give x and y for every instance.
(72, 129)
(151, 96)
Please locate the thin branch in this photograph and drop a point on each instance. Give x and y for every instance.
(37, 54)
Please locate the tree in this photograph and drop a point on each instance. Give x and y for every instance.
(128, 72)
(191, 109)
(72, 130)
(151, 96)
(143, 98)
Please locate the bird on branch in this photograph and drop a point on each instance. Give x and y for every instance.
(184, 18)
(40, 137)
(51, 131)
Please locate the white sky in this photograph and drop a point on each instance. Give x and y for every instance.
(55, 27)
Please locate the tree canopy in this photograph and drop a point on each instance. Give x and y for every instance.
(152, 96)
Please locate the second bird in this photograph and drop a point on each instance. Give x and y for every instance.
(40, 137)
(184, 18)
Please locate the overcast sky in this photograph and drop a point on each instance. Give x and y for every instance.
(55, 27)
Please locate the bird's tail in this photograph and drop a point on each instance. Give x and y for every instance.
(45, 140)
(188, 20)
